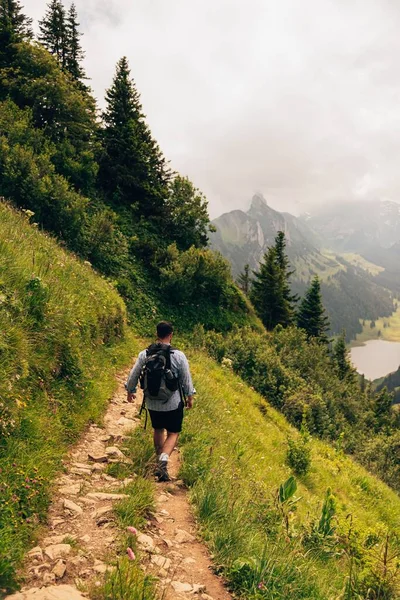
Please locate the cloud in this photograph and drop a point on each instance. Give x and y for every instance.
(297, 99)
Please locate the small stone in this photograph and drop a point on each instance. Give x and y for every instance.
(56, 522)
(71, 506)
(102, 511)
(36, 552)
(162, 498)
(100, 568)
(82, 466)
(49, 578)
(161, 561)
(57, 551)
(104, 496)
(85, 539)
(145, 541)
(199, 588)
(98, 468)
(183, 537)
(206, 597)
(57, 539)
(59, 569)
(180, 587)
(164, 512)
(168, 542)
(70, 490)
(189, 561)
(97, 457)
(87, 501)
(77, 471)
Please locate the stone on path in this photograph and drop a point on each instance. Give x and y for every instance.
(57, 551)
(114, 452)
(161, 561)
(181, 588)
(59, 569)
(56, 592)
(145, 541)
(183, 537)
(70, 490)
(36, 552)
(104, 496)
(69, 505)
(97, 457)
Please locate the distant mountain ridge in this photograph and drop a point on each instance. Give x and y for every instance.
(315, 245)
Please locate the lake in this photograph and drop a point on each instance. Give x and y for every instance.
(376, 358)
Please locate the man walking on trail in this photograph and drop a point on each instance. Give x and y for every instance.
(165, 379)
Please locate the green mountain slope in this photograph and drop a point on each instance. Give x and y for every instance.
(235, 458)
(62, 335)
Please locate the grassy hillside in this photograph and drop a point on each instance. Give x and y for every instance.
(62, 335)
(386, 328)
(235, 459)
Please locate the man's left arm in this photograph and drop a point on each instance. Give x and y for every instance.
(186, 381)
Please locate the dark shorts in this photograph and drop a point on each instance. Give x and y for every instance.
(170, 420)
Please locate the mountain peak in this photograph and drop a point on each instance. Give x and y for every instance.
(258, 201)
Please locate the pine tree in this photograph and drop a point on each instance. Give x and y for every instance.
(244, 280)
(284, 265)
(311, 316)
(267, 293)
(133, 172)
(53, 33)
(74, 52)
(343, 365)
(14, 25)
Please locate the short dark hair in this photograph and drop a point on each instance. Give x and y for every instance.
(164, 328)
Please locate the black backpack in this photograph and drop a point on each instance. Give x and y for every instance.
(157, 380)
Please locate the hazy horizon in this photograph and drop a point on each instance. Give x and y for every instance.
(299, 102)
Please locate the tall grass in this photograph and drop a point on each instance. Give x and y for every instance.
(62, 336)
(235, 459)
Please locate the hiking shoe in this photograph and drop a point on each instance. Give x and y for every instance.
(162, 471)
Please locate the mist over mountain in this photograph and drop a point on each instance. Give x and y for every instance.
(354, 248)
(356, 226)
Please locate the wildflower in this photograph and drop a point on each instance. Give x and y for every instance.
(130, 553)
(132, 530)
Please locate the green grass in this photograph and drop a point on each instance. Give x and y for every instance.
(362, 263)
(234, 449)
(386, 328)
(62, 338)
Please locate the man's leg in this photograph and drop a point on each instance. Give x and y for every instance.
(170, 443)
(159, 439)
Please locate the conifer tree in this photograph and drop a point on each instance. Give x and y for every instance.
(267, 292)
(311, 316)
(270, 291)
(133, 172)
(244, 280)
(286, 272)
(53, 33)
(343, 365)
(73, 49)
(14, 25)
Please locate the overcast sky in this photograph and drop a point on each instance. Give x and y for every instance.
(298, 99)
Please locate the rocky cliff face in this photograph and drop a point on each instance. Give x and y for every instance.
(243, 237)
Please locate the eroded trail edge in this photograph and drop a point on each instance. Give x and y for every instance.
(80, 542)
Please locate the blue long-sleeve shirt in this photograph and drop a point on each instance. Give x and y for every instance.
(180, 369)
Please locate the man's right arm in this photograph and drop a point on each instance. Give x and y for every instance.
(134, 375)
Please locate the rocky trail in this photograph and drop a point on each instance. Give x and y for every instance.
(80, 542)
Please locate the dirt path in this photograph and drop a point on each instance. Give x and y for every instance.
(81, 535)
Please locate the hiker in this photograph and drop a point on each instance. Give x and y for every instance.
(167, 386)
